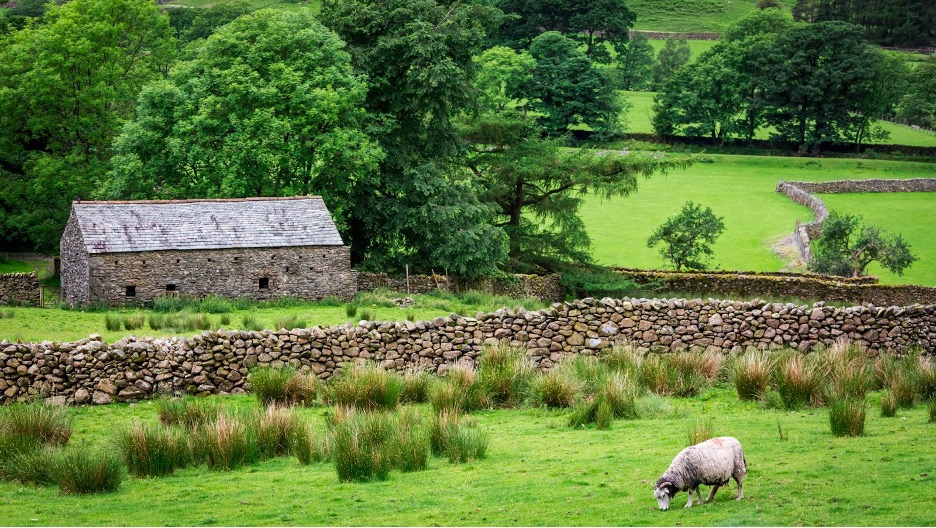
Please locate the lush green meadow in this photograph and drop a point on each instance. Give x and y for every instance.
(706, 16)
(56, 324)
(538, 472)
(640, 115)
(742, 190)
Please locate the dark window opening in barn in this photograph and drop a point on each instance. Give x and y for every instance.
(209, 260)
(178, 261)
(130, 291)
(273, 257)
(235, 259)
(287, 269)
(144, 262)
(170, 287)
(264, 283)
(116, 262)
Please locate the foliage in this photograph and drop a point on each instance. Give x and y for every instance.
(845, 247)
(152, 451)
(634, 67)
(79, 471)
(918, 105)
(277, 427)
(66, 85)
(596, 24)
(556, 388)
(888, 23)
(687, 237)
(417, 58)
(268, 105)
(590, 280)
(673, 56)
(567, 89)
(199, 23)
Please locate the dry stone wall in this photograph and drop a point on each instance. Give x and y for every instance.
(544, 287)
(91, 371)
(859, 290)
(19, 288)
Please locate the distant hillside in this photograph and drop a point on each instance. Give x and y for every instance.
(691, 15)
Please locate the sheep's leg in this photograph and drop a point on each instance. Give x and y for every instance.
(691, 491)
(698, 495)
(711, 494)
(740, 491)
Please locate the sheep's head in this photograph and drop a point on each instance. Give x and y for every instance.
(663, 493)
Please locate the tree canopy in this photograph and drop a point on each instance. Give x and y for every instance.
(687, 237)
(846, 247)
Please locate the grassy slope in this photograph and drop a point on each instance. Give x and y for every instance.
(641, 112)
(538, 472)
(708, 16)
(741, 188)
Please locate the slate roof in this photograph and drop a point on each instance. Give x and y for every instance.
(119, 227)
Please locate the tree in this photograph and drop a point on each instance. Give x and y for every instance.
(501, 75)
(268, 105)
(634, 68)
(817, 82)
(918, 105)
(845, 247)
(417, 57)
(66, 86)
(674, 55)
(568, 89)
(596, 24)
(687, 237)
(198, 23)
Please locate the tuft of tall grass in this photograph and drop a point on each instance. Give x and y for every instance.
(690, 372)
(37, 421)
(366, 315)
(702, 431)
(362, 446)
(505, 374)
(188, 411)
(797, 381)
(152, 451)
(455, 440)
(351, 309)
(932, 410)
(655, 374)
(276, 428)
(271, 385)
(415, 386)
(366, 386)
(623, 357)
(459, 391)
(157, 321)
(303, 389)
(251, 324)
(79, 471)
(134, 321)
(410, 444)
(227, 442)
(289, 322)
(113, 322)
(557, 388)
(201, 321)
(225, 320)
(845, 369)
(847, 416)
(926, 378)
(751, 374)
(307, 445)
(888, 405)
(28, 464)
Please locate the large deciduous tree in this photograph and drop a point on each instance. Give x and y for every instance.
(674, 55)
(846, 247)
(569, 90)
(596, 24)
(268, 105)
(918, 105)
(66, 87)
(417, 55)
(634, 68)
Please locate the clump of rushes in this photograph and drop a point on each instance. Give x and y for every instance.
(415, 386)
(366, 386)
(134, 321)
(457, 441)
(557, 388)
(271, 385)
(28, 463)
(188, 411)
(615, 397)
(847, 416)
(751, 374)
(227, 443)
(623, 358)
(42, 423)
(276, 428)
(351, 309)
(302, 389)
(505, 374)
(459, 391)
(157, 321)
(225, 320)
(797, 381)
(926, 379)
(687, 372)
(307, 445)
(361, 446)
(201, 321)
(251, 324)
(656, 375)
(410, 442)
(288, 322)
(152, 451)
(932, 410)
(888, 405)
(113, 322)
(78, 471)
(702, 431)
(846, 371)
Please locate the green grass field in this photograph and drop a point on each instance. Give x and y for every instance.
(54, 324)
(538, 472)
(641, 113)
(742, 190)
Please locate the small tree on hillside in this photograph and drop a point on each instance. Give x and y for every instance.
(846, 247)
(688, 236)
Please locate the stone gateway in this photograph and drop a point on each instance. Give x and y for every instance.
(134, 251)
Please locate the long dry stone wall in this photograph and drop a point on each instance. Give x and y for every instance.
(91, 371)
(859, 290)
(544, 287)
(19, 288)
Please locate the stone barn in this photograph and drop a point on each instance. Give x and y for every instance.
(132, 252)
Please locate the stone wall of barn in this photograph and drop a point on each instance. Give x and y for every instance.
(310, 272)
(218, 362)
(74, 257)
(19, 288)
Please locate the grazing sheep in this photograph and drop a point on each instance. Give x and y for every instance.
(712, 463)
